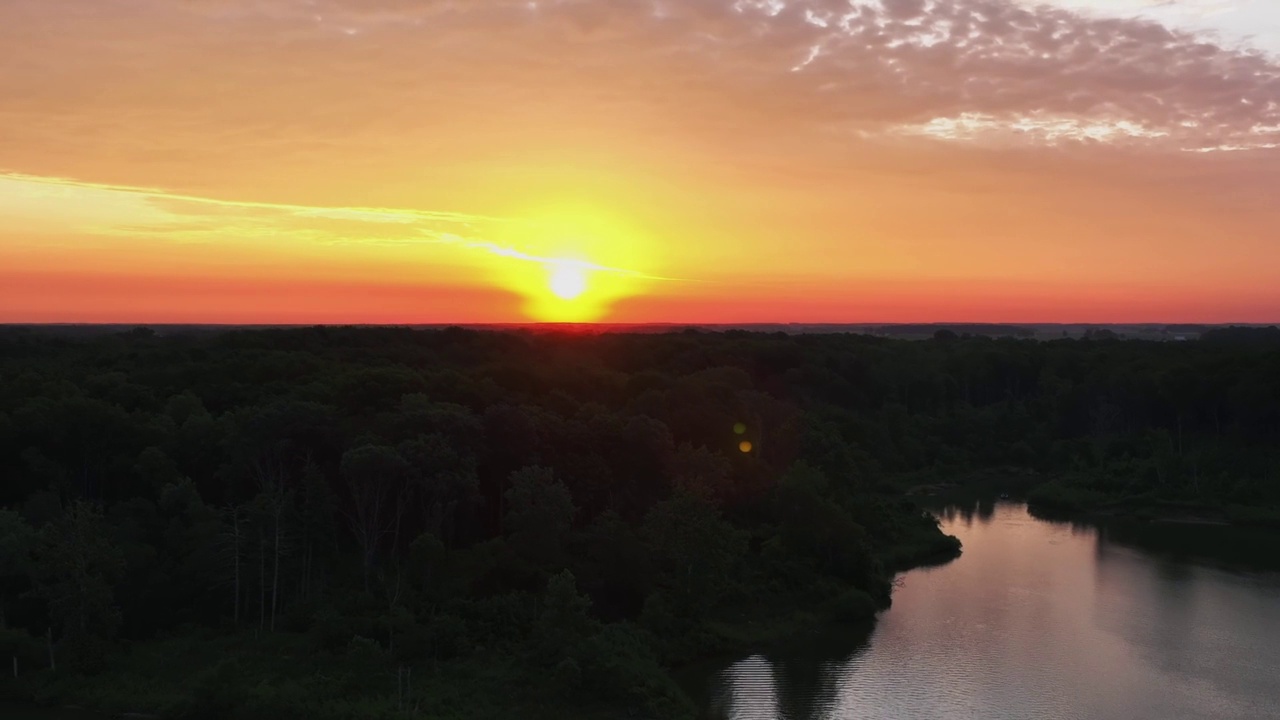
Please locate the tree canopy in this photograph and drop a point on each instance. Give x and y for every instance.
(453, 495)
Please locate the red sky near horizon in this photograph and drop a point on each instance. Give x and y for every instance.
(716, 161)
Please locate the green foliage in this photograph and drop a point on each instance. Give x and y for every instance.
(539, 516)
(615, 564)
(1062, 497)
(29, 651)
(563, 623)
(448, 637)
(621, 664)
(694, 552)
(76, 570)
(375, 477)
(818, 537)
(702, 473)
(854, 605)
(17, 539)
(444, 480)
(291, 515)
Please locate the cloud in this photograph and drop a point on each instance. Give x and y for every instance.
(1201, 8)
(989, 70)
(101, 210)
(999, 69)
(459, 104)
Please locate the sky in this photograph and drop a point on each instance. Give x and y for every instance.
(688, 161)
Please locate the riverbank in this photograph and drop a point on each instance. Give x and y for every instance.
(791, 617)
(1067, 496)
(1059, 498)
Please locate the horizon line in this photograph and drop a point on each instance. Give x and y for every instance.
(661, 323)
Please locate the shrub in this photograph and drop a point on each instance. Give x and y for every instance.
(854, 605)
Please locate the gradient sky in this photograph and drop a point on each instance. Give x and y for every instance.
(249, 161)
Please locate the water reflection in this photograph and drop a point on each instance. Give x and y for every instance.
(798, 684)
(964, 513)
(747, 690)
(1043, 619)
(756, 689)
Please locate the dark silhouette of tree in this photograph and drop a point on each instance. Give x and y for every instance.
(539, 516)
(77, 568)
(389, 496)
(375, 478)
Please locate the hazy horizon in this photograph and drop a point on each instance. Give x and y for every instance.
(654, 324)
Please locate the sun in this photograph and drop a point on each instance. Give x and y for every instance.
(567, 282)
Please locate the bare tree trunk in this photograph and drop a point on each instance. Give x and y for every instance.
(366, 561)
(275, 572)
(393, 600)
(235, 539)
(262, 580)
(84, 613)
(52, 665)
(236, 612)
(305, 580)
(372, 534)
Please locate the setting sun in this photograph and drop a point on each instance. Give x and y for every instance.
(567, 281)
(572, 290)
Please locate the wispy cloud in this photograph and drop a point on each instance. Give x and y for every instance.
(193, 218)
(358, 214)
(284, 77)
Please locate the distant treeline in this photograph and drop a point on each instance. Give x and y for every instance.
(1243, 336)
(959, 330)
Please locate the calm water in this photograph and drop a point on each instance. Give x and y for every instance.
(1046, 621)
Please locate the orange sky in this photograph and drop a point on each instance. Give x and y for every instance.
(300, 161)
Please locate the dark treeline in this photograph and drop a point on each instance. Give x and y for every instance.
(970, 329)
(361, 522)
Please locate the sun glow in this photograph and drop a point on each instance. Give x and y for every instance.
(568, 281)
(572, 290)
(571, 263)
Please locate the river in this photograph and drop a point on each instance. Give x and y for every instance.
(1042, 620)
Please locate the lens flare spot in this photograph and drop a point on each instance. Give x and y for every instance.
(744, 446)
(739, 429)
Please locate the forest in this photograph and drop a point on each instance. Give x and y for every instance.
(397, 523)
